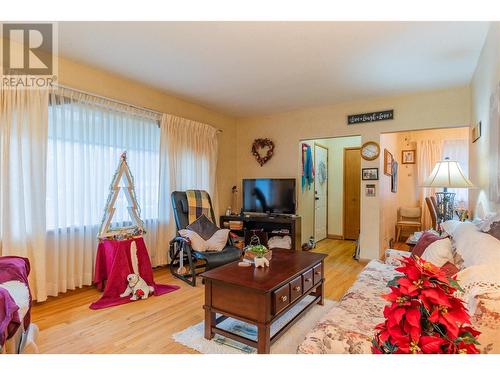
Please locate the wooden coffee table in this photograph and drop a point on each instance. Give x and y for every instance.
(259, 296)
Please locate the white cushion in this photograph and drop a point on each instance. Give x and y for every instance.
(20, 294)
(215, 243)
(484, 225)
(197, 243)
(218, 241)
(474, 246)
(439, 252)
(450, 226)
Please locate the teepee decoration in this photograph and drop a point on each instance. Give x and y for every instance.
(137, 229)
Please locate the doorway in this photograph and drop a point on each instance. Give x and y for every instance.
(320, 192)
(352, 192)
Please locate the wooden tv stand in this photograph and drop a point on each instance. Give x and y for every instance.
(268, 223)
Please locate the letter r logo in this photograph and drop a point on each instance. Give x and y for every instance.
(27, 48)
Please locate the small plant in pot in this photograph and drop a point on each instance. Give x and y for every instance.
(257, 250)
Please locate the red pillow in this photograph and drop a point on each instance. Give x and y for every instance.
(449, 269)
(425, 240)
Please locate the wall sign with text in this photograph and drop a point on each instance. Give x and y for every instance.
(370, 117)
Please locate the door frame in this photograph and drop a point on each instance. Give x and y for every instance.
(314, 197)
(344, 190)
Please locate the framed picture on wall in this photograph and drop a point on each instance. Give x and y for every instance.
(476, 132)
(370, 190)
(408, 157)
(387, 162)
(369, 174)
(394, 177)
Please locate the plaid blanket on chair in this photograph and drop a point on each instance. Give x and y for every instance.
(198, 204)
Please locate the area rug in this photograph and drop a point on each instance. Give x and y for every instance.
(193, 336)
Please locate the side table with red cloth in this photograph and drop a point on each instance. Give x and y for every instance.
(114, 264)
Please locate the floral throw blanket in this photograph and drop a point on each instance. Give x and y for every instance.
(349, 327)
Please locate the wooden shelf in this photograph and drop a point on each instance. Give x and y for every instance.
(268, 224)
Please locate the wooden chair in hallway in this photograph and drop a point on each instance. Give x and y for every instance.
(408, 217)
(430, 201)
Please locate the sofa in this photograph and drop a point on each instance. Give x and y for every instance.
(349, 326)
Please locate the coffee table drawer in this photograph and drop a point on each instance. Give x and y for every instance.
(281, 298)
(317, 273)
(295, 288)
(307, 280)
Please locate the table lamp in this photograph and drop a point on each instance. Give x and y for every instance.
(446, 174)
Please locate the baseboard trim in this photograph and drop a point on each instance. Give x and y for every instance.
(364, 260)
(335, 237)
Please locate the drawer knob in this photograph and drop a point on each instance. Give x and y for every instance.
(308, 280)
(297, 288)
(283, 298)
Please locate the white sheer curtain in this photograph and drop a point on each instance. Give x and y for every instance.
(23, 150)
(85, 139)
(458, 149)
(188, 160)
(428, 153)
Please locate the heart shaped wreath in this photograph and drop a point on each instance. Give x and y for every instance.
(261, 144)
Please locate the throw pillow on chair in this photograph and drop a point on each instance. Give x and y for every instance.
(216, 242)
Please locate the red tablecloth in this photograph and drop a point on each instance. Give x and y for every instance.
(114, 263)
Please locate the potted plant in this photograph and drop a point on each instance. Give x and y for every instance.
(256, 250)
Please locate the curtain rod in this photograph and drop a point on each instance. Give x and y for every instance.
(116, 101)
(110, 99)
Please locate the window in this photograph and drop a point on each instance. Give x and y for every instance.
(86, 139)
(458, 149)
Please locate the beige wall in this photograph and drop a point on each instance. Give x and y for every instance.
(388, 199)
(435, 109)
(107, 84)
(486, 79)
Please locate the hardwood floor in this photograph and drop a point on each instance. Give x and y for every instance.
(401, 246)
(67, 325)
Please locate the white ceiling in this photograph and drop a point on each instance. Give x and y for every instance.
(254, 68)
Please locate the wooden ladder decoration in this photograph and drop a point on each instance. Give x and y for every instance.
(137, 229)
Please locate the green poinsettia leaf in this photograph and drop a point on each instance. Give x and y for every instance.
(468, 338)
(394, 282)
(376, 345)
(423, 311)
(391, 348)
(455, 284)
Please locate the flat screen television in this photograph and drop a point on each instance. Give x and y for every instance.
(269, 195)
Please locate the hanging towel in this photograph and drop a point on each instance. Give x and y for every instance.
(307, 167)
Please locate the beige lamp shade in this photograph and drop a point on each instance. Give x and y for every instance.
(447, 174)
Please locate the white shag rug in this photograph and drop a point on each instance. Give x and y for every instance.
(193, 336)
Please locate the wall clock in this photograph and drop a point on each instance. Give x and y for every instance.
(370, 150)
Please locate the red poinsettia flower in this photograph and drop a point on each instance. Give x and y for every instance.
(450, 317)
(423, 316)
